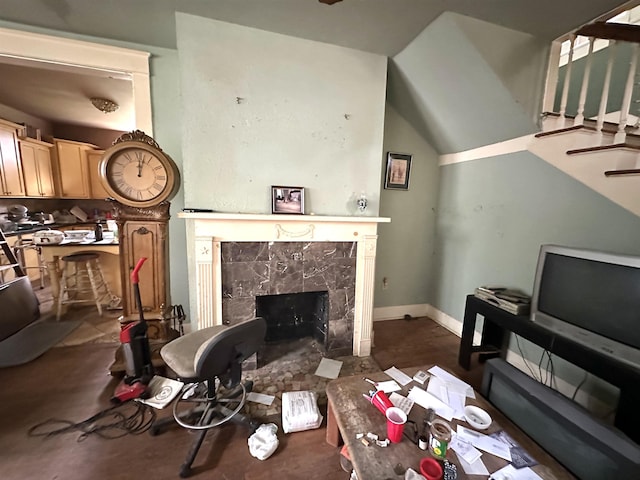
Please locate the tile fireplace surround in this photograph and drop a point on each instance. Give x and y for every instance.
(207, 232)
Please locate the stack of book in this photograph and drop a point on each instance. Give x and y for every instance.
(507, 299)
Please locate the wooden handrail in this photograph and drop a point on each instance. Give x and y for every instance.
(613, 173)
(611, 31)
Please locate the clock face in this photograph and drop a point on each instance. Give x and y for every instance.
(137, 174)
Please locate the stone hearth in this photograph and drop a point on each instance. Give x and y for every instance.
(305, 252)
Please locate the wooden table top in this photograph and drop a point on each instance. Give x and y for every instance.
(354, 414)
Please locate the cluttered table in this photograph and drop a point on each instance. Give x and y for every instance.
(352, 418)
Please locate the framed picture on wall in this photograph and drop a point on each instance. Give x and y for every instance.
(287, 200)
(398, 169)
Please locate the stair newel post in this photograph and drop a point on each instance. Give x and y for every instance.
(626, 100)
(565, 87)
(585, 84)
(605, 87)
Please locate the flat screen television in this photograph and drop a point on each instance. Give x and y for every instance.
(591, 297)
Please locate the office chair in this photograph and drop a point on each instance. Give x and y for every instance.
(209, 361)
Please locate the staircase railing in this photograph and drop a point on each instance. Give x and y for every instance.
(578, 91)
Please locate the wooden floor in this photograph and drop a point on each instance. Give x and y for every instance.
(72, 383)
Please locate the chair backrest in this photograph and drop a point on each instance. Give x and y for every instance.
(222, 356)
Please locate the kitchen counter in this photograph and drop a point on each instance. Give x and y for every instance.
(52, 226)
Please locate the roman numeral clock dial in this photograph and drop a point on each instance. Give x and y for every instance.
(136, 172)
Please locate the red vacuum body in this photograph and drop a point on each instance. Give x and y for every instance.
(137, 354)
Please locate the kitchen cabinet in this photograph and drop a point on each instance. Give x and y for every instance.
(36, 167)
(93, 160)
(71, 168)
(11, 179)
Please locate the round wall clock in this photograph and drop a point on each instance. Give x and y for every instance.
(136, 172)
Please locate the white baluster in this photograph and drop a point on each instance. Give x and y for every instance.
(585, 85)
(621, 135)
(605, 87)
(565, 88)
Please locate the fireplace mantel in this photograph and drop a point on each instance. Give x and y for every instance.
(205, 232)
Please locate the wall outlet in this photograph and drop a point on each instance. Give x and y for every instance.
(385, 283)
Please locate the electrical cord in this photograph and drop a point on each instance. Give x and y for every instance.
(113, 422)
(584, 379)
(525, 360)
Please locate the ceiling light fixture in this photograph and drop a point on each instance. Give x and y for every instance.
(104, 105)
(329, 2)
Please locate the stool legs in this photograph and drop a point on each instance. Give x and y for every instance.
(82, 277)
(94, 284)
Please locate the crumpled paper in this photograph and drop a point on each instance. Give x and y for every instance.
(264, 441)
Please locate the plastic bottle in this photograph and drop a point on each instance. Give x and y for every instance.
(98, 232)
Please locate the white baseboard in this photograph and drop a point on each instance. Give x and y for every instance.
(422, 310)
(393, 313)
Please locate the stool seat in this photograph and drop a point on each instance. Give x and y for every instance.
(82, 281)
(80, 257)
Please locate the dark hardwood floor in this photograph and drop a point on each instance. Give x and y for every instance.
(72, 383)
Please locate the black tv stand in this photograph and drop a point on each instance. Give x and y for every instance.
(499, 324)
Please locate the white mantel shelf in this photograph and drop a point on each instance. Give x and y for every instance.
(259, 217)
(205, 232)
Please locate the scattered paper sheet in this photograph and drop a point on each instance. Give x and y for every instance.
(162, 391)
(388, 386)
(403, 403)
(398, 375)
(511, 473)
(454, 399)
(465, 450)
(484, 442)
(426, 400)
(260, 398)
(329, 368)
(447, 377)
(476, 468)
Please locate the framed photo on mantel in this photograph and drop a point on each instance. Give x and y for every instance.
(287, 200)
(398, 168)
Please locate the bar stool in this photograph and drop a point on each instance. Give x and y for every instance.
(82, 275)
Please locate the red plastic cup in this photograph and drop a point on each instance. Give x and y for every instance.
(381, 401)
(396, 419)
(431, 469)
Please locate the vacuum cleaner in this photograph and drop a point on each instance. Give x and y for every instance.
(137, 353)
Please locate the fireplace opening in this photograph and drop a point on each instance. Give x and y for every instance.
(292, 316)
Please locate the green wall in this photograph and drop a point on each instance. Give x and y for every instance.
(257, 112)
(493, 215)
(457, 92)
(405, 246)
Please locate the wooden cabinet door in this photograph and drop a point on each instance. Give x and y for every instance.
(72, 169)
(10, 168)
(30, 169)
(93, 161)
(144, 239)
(36, 167)
(45, 172)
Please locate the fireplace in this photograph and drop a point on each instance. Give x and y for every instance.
(253, 270)
(292, 316)
(234, 258)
